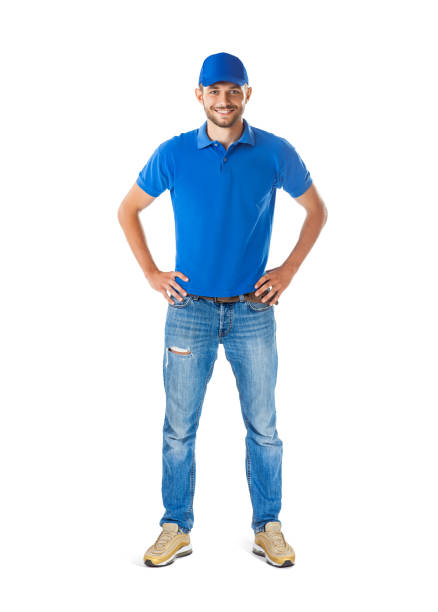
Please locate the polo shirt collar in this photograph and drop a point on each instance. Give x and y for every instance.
(203, 140)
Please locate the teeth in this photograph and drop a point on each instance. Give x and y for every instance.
(224, 112)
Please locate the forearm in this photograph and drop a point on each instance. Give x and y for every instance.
(137, 241)
(312, 226)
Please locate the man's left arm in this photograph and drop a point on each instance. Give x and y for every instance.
(279, 278)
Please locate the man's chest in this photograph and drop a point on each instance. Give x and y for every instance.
(240, 175)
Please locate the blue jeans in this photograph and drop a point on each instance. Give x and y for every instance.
(194, 329)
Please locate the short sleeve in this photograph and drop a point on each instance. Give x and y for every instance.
(293, 174)
(156, 175)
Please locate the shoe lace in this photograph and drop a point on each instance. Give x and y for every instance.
(278, 540)
(163, 539)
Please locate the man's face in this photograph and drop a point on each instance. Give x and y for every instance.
(224, 102)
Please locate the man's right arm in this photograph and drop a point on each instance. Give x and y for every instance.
(135, 201)
(128, 215)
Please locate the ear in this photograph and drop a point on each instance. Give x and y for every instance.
(198, 94)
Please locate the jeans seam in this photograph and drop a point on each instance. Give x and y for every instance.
(248, 460)
(192, 488)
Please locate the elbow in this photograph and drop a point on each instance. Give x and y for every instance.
(324, 213)
(121, 213)
(126, 214)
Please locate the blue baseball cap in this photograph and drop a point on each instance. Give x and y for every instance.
(222, 67)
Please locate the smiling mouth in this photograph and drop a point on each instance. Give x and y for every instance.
(224, 111)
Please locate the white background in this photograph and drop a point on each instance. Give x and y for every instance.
(89, 90)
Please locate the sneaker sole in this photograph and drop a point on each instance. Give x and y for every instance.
(181, 552)
(258, 550)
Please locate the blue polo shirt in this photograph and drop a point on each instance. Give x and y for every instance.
(223, 202)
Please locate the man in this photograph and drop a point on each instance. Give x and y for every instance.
(223, 179)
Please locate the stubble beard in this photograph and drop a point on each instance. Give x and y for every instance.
(224, 122)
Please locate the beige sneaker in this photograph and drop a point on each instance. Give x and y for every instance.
(171, 543)
(271, 544)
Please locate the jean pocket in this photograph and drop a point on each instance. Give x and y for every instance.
(258, 306)
(180, 304)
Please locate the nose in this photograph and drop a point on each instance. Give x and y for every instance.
(223, 100)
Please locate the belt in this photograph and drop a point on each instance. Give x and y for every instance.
(250, 297)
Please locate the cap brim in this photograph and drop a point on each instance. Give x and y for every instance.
(226, 78)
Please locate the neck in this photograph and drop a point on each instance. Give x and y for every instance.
(225, 135)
